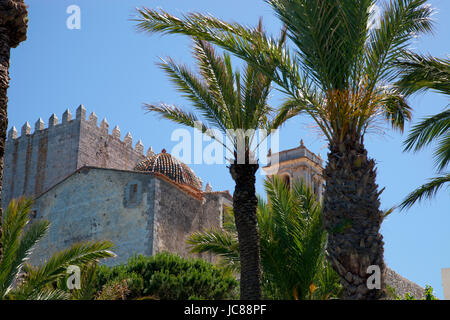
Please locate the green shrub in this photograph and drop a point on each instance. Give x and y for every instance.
(114, 290)
(169, 277)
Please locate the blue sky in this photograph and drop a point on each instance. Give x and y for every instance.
(110, 68)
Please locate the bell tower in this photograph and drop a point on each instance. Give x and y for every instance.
(297, 164)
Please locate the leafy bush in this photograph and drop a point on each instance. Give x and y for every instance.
(169, 277)
(114, 290)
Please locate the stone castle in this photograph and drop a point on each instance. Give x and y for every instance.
(91, 185)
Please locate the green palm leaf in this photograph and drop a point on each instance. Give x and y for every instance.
(194, 89)
(427, 190)
(12, 267)
(400, 20)
(18, 243)
(429, 130)
(418, 72)
(219, 242)
(78, 254)
(45, 294)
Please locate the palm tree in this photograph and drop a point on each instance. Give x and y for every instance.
(13, 30)
(21, 281)
(420, 73)
(339, 73)
(229, 102)
(292, 244)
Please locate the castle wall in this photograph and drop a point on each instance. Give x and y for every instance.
(98, 148)
(141, 213)
(34, 162)
(91, 205)
(178, 214)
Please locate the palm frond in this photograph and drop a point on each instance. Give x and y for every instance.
(45, 294)
(218, 242)
(196, 91)
(217, 73)
(328, 36)
(427, 190)
(176, 114)
(396, 110)
(236, 104)
(78, 254)
(400, 22)
(442, 152)
(328, 281)
(17, 243)
(419, 72)
(427, 131)
(256, 89)
(251, 45)
(15, 220)
(11, 268)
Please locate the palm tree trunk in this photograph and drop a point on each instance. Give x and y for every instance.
(244, 205)
(13, 30)
(353, 219)
(4, 84)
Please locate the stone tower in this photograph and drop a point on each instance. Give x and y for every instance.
(36, 161)
(297, 164)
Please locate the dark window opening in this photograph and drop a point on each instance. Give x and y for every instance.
(133, 193)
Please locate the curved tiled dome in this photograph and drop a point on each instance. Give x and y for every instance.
(171, 167)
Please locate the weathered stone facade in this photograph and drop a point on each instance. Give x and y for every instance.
(297, 164)
(34, 162)
(95, 204)
(83, 180)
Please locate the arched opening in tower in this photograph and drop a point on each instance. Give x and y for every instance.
(287, 180)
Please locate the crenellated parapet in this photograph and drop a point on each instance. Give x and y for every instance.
(39, 158)
(55, 127)
(39, 126)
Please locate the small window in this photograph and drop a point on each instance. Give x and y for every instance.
(133, 194)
